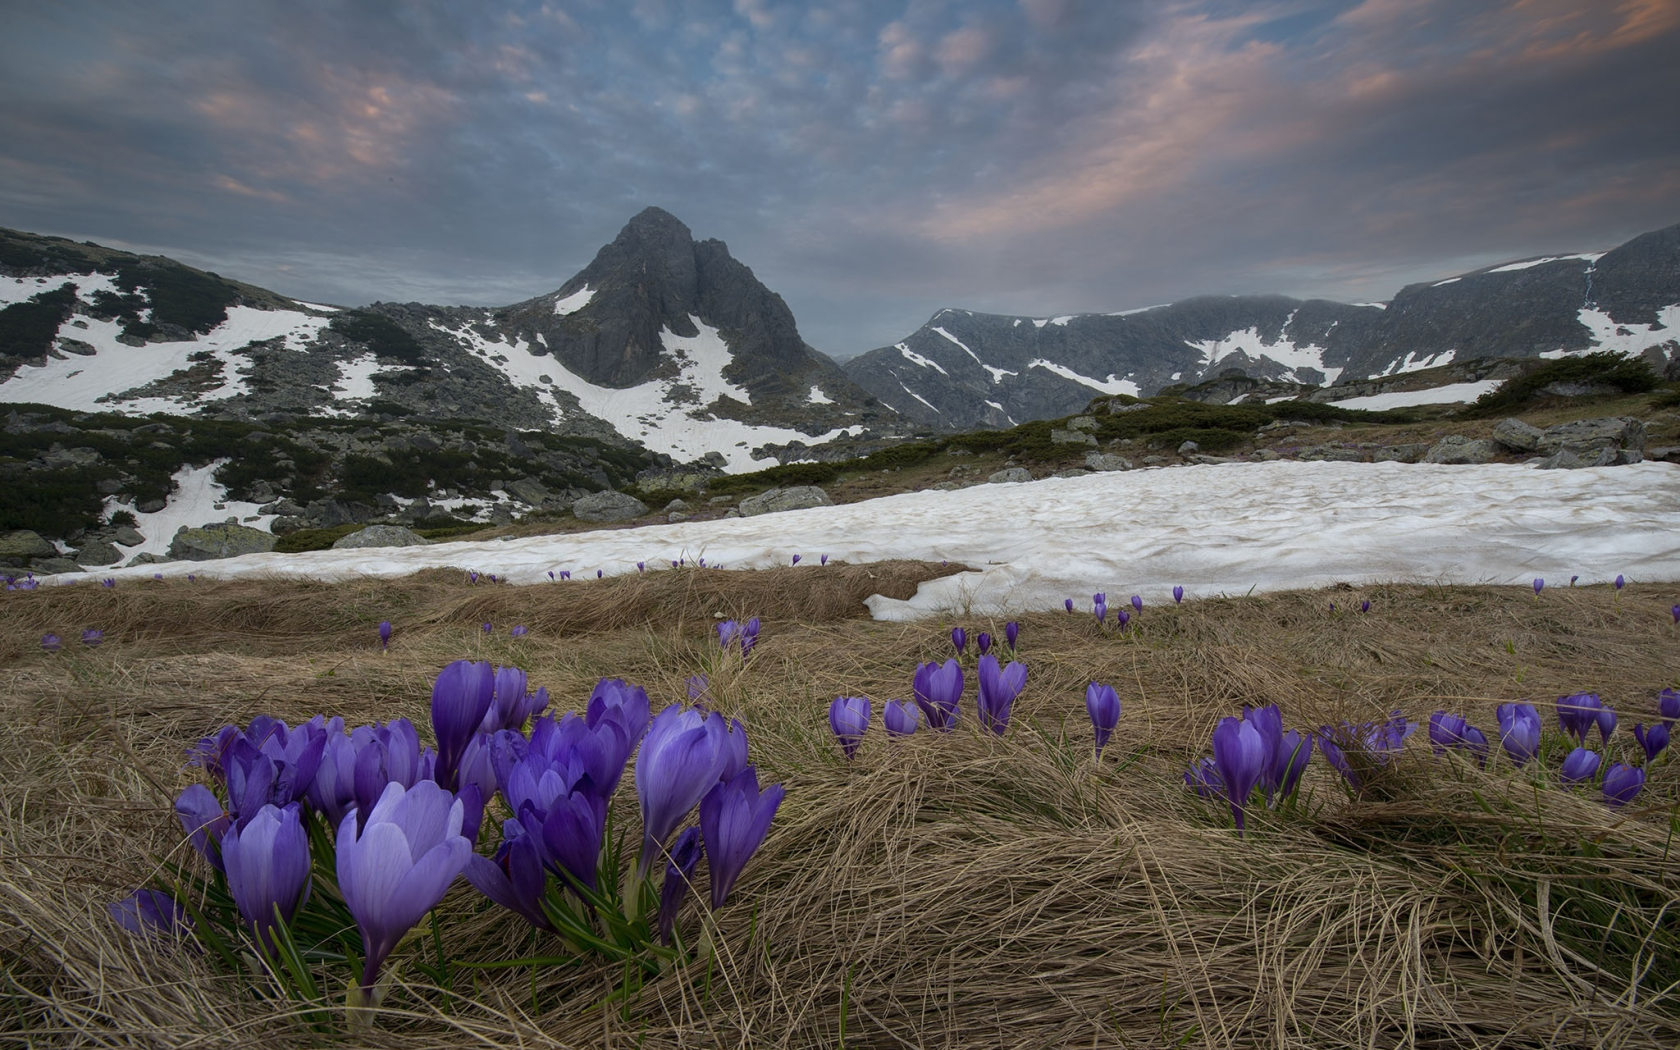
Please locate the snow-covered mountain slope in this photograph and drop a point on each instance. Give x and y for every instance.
(963, 369)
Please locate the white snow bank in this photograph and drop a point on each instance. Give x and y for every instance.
(1111, 385)
(1212, 529)
(194, 503)
(1438, 395)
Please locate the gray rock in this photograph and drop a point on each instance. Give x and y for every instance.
(1104, 461)
(527, 490)
(60, 458)
(1571, 459)
(608, 505)
(1409, 453)
(1071, 437)
(1071, 472)
(1266, 455)
(1665, 454)
(381, 536)
(1590, 435)
(1578, 388)
(1188, 447)
(1086, 423)
(718, 501)
(47, 566)
(126, 536)
(676, 504)
(98, 553)
(796, 497)
(151, 506)
(144, 559)
(675, 516)
(1517, 436)
(1332, 453)
(732, 512)
(1120, 408)
(22, 545)
(1213, 461)
(1011, 474)
(1456, 448)
(219, 540)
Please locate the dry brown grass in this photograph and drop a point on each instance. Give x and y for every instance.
(953, 890)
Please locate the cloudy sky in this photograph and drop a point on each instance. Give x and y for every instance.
(871, 160)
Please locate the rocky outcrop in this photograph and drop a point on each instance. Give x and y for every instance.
(796, 497)
(381, 536)
(219, 540)
(608, 506)
(21, 547)
(1456, 448)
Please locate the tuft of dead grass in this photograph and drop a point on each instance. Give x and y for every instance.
(946, 890)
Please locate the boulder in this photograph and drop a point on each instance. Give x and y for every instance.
(1589, 435)
(22, 545)
(381, 536)
(47, 566)
(219, 540)
(676, 504)
(1086, 423)
(527, 490)
(608, 505)
(796, 497)
(98, 553)
(1010, 475)
(126, 536)
(1071, 437)
(1332, 453)
(1071, 472)
(1187, 447)
(1571, 459)
(1456, 448)
(1409, 453)
(1517, 436)
(1104, 461)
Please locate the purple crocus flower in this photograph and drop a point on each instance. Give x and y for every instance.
(150, 911)
(998, 689)
(571, 834)
(1069, 603)
(1621, 581)
(1374, 744)
(1621, 783)
(514, 878)
(1580, 765)
(51, 642)
(1676, 612)
(1448, 730)
(1122, 617)
(901, 717)
(681, 759)
(599, 573)
(460, 697)
(1365, 606)
(1294, 752)
(333, 787)
(1239, 753)
(1099, 605)
(825, 559)
(384, 634)
(267, 864)
(1102, 703)
(1011, 632)
(1203, 778)
(1651, 741)
(1178, 595)
(565, 574)
(396, 868)
(109, 582)
(749, 636)
(698, 688)
(959, 639)
(1519, 731)
(685, 856)
(1668, 706)
(1137, 603)
(938, 689)
(848, 716)
(734, 818)
(472, 577)
(551, 576)
(92, 637)
(487, 627)
(204, 820)
(983, 643)
(796, 559)
(519, 630)
(1539, 584)
(1578, 714)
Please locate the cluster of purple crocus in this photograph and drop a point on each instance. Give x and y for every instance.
(1252, 752)
(405, 818)
(92, 637)
(733, 634)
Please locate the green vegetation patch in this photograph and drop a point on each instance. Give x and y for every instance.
(1629, 375)
(303, 540)
(383, 336)
(27, 329)
(179, 295)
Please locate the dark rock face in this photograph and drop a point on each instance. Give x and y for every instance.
(220, 540)
(963, 370)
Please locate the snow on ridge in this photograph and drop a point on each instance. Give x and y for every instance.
(1139, 310)
(90, 383)
(1378, 306)
(1624, 339)
(1111, 385)
(21, 289)
(571, 304)
(1590, 257)
(1249, 341)
(355, 378)
(648, 413)
(917, 359)
(996, 373)
(1449, 280)
(918, 397)
(1063, 320)
(1413, 363)
(817, 397)
(1452, 393)
(319, 306)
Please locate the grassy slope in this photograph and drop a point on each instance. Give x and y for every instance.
(958, 890)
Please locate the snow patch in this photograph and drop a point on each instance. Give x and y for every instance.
(917, 396)
(1282, 352)
(1449, 280)
(1626, 339)
(1139, 310)
(198, 499)
(819, 398)
(1590, 257)
(1452, 393)
(1111, 385)
(1063, 320)
(355, 378)
(917, 359)
(1413, 363)
(571, 304)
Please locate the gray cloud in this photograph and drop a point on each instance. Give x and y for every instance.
(873, 161)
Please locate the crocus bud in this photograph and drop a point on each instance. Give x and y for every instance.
(1102, 703)
(520, 631)
(796, 559)
(1178, 595)
(959, 639)
(1122, 617)
(1011, 631)
(460, 697)
(825, 559)
(998, 690)
(1668, 705)
(848, 717)
(938, 689)
(1580, 765)
(1365, 606)
(983, 643)
(901, 717)
(1239, 753)
(150, 912)
(1538, 585)
(92, 637)
(384, 634)
(51, 643)
(1137, 603)
(267, 865)
(1652, 740)
(1621, 783)
(1069, 603)
(685, 855)
(1620, 581)
(734, 818)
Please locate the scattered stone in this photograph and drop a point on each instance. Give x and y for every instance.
(1266, 455)
(1082, 423)
(676, 516)
(1071, 472)
(1590, 435)
(1331, 453)
(1571, 459)
(732, 512)
(1010, 475)
(527, 490)
(219, 540)
(676, 504)
(1518, 436)
(1188, 447)
(958, 452)
(1213, 461)
(48, 566)
(98, 552)
(1458, 449)
(1409, 453)
(151, 506)
(718, 501)
(1118, 408)
(1105, 461)
(381, 536)
(608, 505)
(946, 486)
(126, 536)
(64, 458)
(1071, 437)
(24, 545)
(146, 558)
(796, 497)
(1664, 453)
